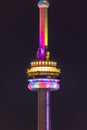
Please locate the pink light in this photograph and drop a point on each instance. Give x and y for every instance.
(43, 26)
(52, 84)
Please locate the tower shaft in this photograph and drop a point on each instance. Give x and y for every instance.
(43, 26)
(44, 110)
(43, 29)
(43, 74)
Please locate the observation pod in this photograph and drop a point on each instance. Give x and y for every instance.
(43, 83)
(43, 74)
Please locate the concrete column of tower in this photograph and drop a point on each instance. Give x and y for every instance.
(44, 110)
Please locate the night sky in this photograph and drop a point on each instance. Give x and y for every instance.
(19, 40)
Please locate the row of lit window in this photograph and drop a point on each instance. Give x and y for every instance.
(42, 74)
(44, 69)
(43, 80)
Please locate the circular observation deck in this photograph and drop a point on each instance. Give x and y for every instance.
(43, 75)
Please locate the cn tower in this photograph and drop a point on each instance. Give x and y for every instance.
(43, 74)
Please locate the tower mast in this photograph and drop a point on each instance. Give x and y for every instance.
(43, 74)
(42, 53)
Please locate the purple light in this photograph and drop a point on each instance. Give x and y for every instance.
(52, 84)
(47, 110)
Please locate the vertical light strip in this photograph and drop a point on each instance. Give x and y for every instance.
(46, 27)
(43, 25)
(47, 110)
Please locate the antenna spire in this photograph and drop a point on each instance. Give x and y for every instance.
(42, 53)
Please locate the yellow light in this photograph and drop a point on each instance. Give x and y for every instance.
(43, 68)
(49, 62)
(36, 62)
(52, 63)
(46, 28)
(46, 62)
(31, 64)
(39, 62)
(43, 63)
(55, 63)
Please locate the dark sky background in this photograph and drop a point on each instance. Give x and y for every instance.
(68, 46)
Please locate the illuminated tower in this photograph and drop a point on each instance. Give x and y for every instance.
(43, 74)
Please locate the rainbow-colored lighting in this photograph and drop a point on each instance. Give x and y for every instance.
(43, 0)
(43, 73)
(43, 83)
(43, 23)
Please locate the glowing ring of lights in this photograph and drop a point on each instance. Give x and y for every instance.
(43, 71)
(43, 80)
(51, 84)
(43, 63)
